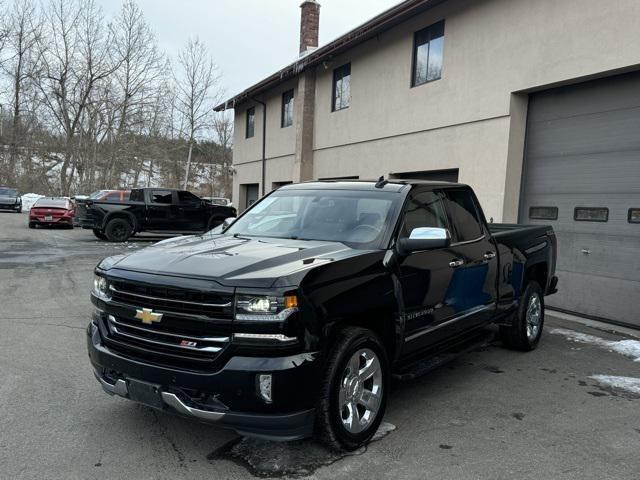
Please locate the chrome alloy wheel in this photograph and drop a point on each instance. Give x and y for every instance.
(360, 391)
(534, 316)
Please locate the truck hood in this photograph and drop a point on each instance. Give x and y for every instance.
(231, 261)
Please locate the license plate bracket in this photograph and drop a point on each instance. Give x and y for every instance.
(145, 393)
(48, 218)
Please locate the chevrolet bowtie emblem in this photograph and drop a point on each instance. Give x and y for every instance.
(148, 316)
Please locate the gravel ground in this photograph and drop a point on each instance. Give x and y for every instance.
(491, 414)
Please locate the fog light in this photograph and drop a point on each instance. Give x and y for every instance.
(264, 387)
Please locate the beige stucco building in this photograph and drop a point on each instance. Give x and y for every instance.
(472, 119)
(534, 103)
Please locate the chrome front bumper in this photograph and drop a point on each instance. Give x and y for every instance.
(286, 427)
(121, 389)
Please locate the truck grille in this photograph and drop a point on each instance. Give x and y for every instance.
(194, 329)
(211, 305)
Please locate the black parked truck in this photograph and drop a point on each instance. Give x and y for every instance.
(158, 210)
(292, 319)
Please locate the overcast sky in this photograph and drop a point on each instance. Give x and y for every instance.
(248, 39)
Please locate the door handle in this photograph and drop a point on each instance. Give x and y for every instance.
(456, 262)
(489, 255)
(586, 251)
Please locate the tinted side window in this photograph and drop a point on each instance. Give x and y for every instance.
(423, 209)
(187, 197)
(161, 196)
(464, 215)
(136, 196)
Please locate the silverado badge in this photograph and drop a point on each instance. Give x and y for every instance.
(148, 316)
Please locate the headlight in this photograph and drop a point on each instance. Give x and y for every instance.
(101, 288)
(265, 308)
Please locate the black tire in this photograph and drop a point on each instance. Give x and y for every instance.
(99, 234)
(518, 336)
(118, 230)
(329, 425)
(32, 225)
(19, 210)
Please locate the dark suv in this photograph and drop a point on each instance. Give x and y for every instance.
(10, 199)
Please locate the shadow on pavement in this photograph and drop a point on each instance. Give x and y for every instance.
(301, 458)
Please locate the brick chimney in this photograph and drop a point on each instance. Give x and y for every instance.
(309, 25)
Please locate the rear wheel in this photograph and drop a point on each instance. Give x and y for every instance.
(32, 225)
(19, 209)
(99, 234)
(118, 230)
(354, 390)
(527, 324)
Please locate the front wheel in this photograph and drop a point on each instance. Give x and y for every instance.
(354, 390)
(526, 329)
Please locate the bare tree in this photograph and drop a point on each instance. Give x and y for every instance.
(141, 63)
(21, 32)
(93, 104)
(223, 136)
(197, 85)
(75, 59)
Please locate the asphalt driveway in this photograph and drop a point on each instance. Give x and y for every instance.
(556, 413)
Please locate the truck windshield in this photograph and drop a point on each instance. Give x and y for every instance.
(9, 192)
(361, 219)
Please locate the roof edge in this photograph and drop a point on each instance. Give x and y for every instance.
(381, 22)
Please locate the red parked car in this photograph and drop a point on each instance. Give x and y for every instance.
(115, 196)
(52, 211)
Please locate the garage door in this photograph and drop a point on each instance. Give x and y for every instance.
(582, 176)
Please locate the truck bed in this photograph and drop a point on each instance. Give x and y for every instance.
(522, 237)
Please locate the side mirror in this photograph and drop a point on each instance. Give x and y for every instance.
(228, 222)
(424, 238)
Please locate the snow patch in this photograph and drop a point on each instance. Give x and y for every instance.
(28, 199)
(628, 348)
(384, 429)
(629, 384)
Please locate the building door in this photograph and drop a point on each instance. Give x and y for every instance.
(582, 176)
(252, 194)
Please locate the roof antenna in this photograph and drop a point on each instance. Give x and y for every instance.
(381, 182)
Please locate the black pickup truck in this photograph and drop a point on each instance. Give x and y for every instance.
(158, 210)
(292, 319)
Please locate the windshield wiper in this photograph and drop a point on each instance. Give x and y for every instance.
(242, 236)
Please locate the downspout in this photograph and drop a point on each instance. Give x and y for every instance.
(264, 142)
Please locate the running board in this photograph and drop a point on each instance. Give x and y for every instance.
(424, 366)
